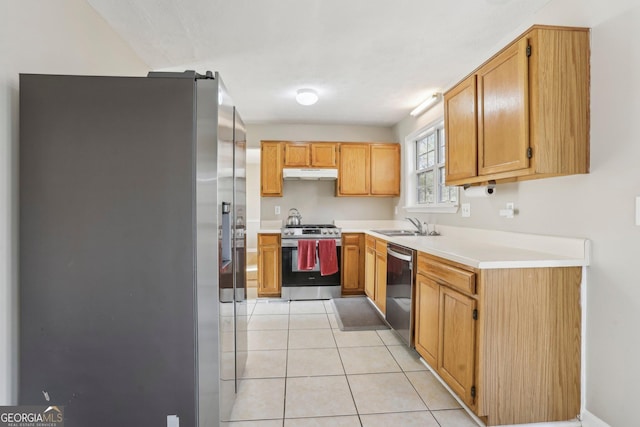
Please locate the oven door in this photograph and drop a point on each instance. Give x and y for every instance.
(292, 276)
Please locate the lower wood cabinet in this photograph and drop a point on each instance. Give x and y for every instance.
(381, 275)
(376, 271)
(370, 268)
(507, 341)
(353, 264)
(269, 262)
(457, 343)
(427, 330)
(445, 331)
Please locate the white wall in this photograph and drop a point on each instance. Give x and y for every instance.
(599, 206)
(40, 36)
(316, 200)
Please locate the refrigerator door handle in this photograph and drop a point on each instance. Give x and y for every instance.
(225, 250)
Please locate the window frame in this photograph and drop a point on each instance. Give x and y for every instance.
(411, 174)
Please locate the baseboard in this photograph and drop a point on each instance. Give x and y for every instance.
(590, 420)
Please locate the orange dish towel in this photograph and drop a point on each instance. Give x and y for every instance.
(306, 254)
(328, 257)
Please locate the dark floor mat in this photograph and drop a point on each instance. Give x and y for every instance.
(357, 314)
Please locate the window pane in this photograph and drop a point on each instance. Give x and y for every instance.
(430, 186)
(422, 196)
(422, 162)
(421, 146)
(453, 194)
(441, 146)
(443, 192)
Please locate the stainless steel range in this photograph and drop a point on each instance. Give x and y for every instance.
(300, 284)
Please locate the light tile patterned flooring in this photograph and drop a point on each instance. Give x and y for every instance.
(302, 371)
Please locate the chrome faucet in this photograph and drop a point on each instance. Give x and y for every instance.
(416, 223)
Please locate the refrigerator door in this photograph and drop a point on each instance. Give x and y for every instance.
(107, 313)
(226, 271)
(212, 207)
(240, 284)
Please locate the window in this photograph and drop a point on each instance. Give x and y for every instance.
(425, 167)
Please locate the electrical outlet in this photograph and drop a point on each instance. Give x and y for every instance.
(511, 205)
(277, 210)
(466, 210)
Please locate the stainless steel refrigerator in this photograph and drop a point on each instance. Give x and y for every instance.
(132, 282)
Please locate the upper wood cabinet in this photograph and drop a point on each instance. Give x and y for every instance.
(531, 106)
(364, 169)
(296, 155)
(503, 127)
(310, 154)
(324, 155)
(385, 169)
(369, 170)
(461, 122)
(354, 173)
(270, 169)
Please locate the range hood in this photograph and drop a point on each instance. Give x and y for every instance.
(310, 174)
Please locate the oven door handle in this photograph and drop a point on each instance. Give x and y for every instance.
(293, 243)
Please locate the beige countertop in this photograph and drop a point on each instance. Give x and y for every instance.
(489, 249)
(484, 249)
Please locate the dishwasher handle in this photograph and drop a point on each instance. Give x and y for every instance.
(394, 253)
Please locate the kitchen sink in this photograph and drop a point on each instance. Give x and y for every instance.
(394, 233)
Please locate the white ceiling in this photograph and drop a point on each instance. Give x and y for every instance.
(371, 61)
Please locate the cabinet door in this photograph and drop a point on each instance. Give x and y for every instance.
(354, 170)
(271, 169)
(427, 318)
(461, 131)
(269, 265)
(324, 155)
(503, 111)
(370, 272)
(381, 281)
(352, 280)
(385, 169)
(456, 351)
(296, 155)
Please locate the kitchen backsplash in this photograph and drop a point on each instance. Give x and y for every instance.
(317, 203)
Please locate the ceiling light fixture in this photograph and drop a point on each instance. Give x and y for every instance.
(306, 96)
(426, 104)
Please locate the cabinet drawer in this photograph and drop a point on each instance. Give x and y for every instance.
(370, 241)
(446, 274)
(351, 239)
(268, 239)
(381, 246)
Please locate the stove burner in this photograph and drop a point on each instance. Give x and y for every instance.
(311, 226)
(322, 231)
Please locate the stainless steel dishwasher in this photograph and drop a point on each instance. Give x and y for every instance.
(400, 279)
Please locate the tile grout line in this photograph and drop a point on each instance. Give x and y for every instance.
(412, 385)
(355, 406)
(286, 367)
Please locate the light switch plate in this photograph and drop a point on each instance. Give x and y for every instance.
(466, 210)
(277, 210)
